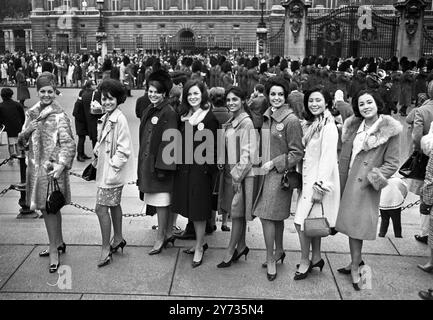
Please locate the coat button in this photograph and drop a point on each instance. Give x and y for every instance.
(360, 179)
(365, 163)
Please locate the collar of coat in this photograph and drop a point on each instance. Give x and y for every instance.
(386, 129)
(234, 122)
(36, 112)
(280, 114)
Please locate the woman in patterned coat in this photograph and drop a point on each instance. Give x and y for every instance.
(47, 131)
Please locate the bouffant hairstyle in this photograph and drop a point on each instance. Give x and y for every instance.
(237, 91)
(279, 82)
(114, 88)
(283, 64)
(379, 102)
(226, 67)
(185, 107)
(263, 67)
(326, 96)
(217, 96)
(196, 66)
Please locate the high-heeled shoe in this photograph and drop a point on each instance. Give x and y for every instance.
(319, 265)
(156, 251)
(271, 277)
(54, 266)
(195, 264)
(347, 271)
(169, 240)
(224, 264)
(189, 251)
(356, 284)
(300, 275)
(121, 245)
(243, 252)
(281, 258)
(106, 261)
(46, 252)
(428, 269)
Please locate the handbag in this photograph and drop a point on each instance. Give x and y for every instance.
(95, 106)
(415, 166)
(316, 227)
(89, 173)
(55, 199)
(291, 179)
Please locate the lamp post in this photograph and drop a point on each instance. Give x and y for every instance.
(101, 35)
(262, 31)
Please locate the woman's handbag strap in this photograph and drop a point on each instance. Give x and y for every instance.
(311, 209)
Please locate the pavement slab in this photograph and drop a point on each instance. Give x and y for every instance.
(133, 272)
(38, 296)
(247, 279)
(393, 277)
(11, 257)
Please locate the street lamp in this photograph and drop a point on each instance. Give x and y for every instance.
(101, 36)
(262, 31)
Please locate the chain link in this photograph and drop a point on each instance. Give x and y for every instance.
(126, 215)
(2, 193)
(79, 176)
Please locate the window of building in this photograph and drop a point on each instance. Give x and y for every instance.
(115, 26)
(83, 25)
(161, 25)
(139, 5)
(66, 4)
(236, 26)
(139, 41)
(116, 42)
(115, 5)
(211, 26)
(83, 41)
(138, 26)
(50, 5)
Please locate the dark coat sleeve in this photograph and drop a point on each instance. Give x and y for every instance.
(169, 122)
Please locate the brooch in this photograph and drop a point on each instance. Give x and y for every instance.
(280, 127)
(200, 126)
(154, 120)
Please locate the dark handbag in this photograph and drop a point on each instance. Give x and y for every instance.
(55, 199)
(415, 166)
(291, 179)
(89, 173)
(316, 227)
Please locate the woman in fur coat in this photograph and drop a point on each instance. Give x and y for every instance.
(47, 131)
(369, 156)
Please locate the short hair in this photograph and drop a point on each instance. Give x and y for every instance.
(114, 88)
(377, 98)
(260, 88)
(293, 86)
(217, 96)
(326, 96)
(204, 95)
(279, 82)
(6, 93)
(157, 84)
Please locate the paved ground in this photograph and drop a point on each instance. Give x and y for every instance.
(136, 275)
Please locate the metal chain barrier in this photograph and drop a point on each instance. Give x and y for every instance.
(6, 160)
(126, 215)
(79, 176)
(410, 205)
(2, 193)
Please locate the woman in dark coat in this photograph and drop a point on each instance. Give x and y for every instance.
(155, 173)
(22, 90)
(12, 117)
(193, 183)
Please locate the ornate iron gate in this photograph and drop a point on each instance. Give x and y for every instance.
(337, 33)
(276, 43)
(427, 41)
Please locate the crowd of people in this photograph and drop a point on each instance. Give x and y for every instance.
(325, 122)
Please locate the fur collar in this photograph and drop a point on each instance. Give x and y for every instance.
(387, 128)
(36, 112)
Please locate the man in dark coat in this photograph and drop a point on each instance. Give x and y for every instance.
(12, 117)
(258, 105)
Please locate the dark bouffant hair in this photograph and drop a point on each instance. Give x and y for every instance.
(196, 66)
(204, 96)
(226, 67)
(326, 95)
(280, 82)
(377, 98)
(114, 88)
(237, 91)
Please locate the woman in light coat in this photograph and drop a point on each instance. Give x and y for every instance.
(236, 179)
(282, 149)
(47, 130)
(114, 168)
(369, 156)
(320, 178)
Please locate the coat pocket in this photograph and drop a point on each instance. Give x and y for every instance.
(113, 176)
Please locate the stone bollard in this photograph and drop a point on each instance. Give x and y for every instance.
(25, 212)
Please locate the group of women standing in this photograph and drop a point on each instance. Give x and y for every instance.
(247, 171)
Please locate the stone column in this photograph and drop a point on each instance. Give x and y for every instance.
(28, 39)
(295, 28)
(37, 5)
(126, 5)
(410, 31)
(6, 36)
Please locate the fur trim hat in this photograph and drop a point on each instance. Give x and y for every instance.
(163, 78)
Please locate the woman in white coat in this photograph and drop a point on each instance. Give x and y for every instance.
(114, 168)
(320, 178)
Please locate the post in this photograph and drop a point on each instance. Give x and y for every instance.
(410, 31)
(262, 33)
(101, 35)
(25, 212)
(295, 28)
